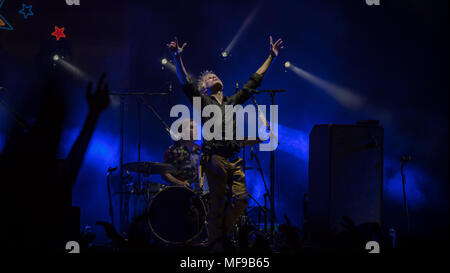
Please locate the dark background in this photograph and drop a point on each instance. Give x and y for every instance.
(395, 55)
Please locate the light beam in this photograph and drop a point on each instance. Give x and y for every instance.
(344, 96)
(247, 22)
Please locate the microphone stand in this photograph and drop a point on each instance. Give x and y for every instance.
(272, 159)
(264, 209)
(124, 209)
(139, 103)
(272, 184)
(267, 193)
(405, 159)
(260, 170)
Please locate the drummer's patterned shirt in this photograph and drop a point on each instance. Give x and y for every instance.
(185, 161)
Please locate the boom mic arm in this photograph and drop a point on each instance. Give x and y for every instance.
(254, 91)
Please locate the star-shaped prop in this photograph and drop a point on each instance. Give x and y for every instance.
(26, 11)
(3, 23)
(59, 33)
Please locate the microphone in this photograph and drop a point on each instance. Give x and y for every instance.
(250, 90)
(254, 91)
(237, 86)
(111, 170)
(128, 175)
(405, 158)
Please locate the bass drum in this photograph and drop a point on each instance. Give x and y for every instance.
(176, 215)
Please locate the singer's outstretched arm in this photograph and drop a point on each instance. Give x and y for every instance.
(176, 51)
(189, 89)
(274, 50)
(243, 95)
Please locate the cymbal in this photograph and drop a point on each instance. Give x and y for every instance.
(125, 192)
(149, 167)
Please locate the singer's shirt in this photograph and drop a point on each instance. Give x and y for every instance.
(225, 148)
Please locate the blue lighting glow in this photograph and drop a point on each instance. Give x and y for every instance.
(415, 178)
(294, 142)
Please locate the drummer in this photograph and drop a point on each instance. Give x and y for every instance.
(184, 155)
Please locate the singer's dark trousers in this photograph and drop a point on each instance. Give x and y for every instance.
(223, 214)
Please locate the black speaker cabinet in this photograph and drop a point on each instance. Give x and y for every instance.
(345, 177)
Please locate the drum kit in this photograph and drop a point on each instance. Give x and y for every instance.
(174, 214)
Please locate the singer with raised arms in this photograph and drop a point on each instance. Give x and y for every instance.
(219, 159)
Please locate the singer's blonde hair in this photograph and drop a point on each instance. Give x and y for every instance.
(201, 81)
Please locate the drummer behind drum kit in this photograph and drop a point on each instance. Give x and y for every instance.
(175, 214)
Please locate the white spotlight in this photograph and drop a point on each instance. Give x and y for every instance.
(164, 61)
(287, 64)
(55, 57)
(224, 54)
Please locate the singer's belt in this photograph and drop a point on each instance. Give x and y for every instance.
(226, 148)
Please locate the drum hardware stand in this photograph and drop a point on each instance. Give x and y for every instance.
(259, 205)
(244, 218)
(124, 204)
(139, 103)
(111, 211)
(267, 193)
(139, 190)
(405, 159)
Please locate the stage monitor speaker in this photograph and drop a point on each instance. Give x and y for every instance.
(345, 177)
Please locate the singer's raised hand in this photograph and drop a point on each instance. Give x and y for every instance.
(175, 48)
(275, 47)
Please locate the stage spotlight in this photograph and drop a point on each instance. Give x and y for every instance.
(287, 64)
(58, 60)
(224, 54)
(170, 66)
